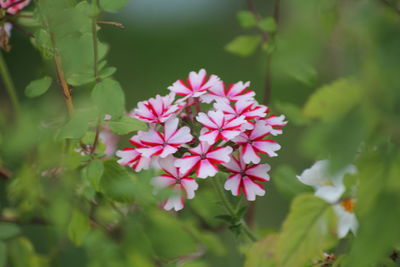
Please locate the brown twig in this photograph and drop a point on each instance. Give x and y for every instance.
(4, 173)
(38, 221)
(22, 30)
(112, 23)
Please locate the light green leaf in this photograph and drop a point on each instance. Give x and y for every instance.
(22, 254)
(243, 45)
(333, 100)
(246, 19)
(268, 25)
(78, 228)
(38, 87)
(75, 128)
(8, 230)
(112, 5)
(308, 231)
(107, 72)
(94, 171)
(109, 98)
(261, 253)
(126, 125)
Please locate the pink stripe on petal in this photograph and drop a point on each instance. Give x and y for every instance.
(206, 169)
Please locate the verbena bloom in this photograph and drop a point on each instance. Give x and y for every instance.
(156, 110)
(329, 186)
(235, 92)
(276, 122)
(13, 6)
(164, 143)
(252, 143)
(246, 178)
(204, 159)
(197, 84)
(180, 182)
(218, 126)
(249, 109)
(131, 157)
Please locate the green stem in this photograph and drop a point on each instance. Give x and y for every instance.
(8, 83)
(229, 208)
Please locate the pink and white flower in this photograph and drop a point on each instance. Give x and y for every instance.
(276, 122)
(13, 6)
(249, 109)
(218, 126)
(156, 110)
(164, 143)
(237, 91)
(131, 157)
(197, 84)
(246, 178)
(183, 185)
(252, 143)
(204, 159)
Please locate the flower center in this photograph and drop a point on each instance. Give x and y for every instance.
(243, 173)
(220, 129)
(348, 205)
(203, 156)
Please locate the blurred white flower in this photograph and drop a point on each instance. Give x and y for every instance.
(329, 186)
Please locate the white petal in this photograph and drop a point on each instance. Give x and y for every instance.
(168, 165)
(210, 137)
(316, 175)
(260, 130)
(230, 134)
(238, 88)
(267, 146)
(182, 136)
(179, 88)
(330, 193)
(168, 150)
(170, 128)
(252, 189)
(160, 182)
(150, 137)
(205, 121)
(190, 186)
(187, 163)
(197, 79)
(148, 152)
(233, 183)
(142, 163)
(220, 154)
(206, 169)
(233, 165)
(217, 117)
(249, 155)
(346, 221)
(259, 172)
(126, 156)
(174, 202)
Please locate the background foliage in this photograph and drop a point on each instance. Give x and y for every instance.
(333, 66)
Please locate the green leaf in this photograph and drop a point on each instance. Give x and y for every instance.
(107, 72)
(287, 183)
(8, 230)
(22, 253)
(246, 19)
(116, 182)
(126, 125)
(112, 5)
(78, 228)
(75, 128)
(3, 254)
(109, 98)
(268, 25)
(243, 45)
(308, 231)
(261, 253)
(293, 113)
(38, 87)
(333, 100)
(94, 172)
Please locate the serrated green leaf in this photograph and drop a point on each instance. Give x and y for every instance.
(126, 125)
(8, 230)
(109, 98)
(112, 5)
(333, 100)
(246, 19)
(243, 45)
(262, 253)
(268, 25)
(94, 172)
(38, 87)
(78, 228)
(308, 231)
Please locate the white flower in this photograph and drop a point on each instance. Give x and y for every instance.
(329, 186)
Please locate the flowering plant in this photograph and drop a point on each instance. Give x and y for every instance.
(207, 130)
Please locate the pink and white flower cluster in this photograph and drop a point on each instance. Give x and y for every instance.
(188, 142)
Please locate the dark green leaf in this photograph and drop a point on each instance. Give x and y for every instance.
(38, 87)
(126, 125)
(243, 45)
